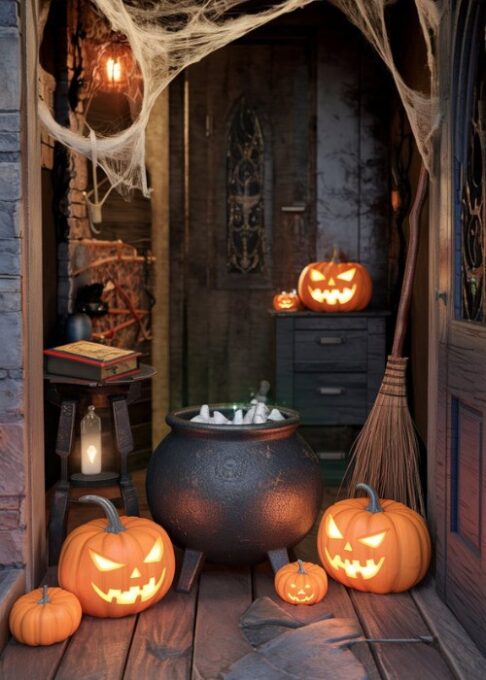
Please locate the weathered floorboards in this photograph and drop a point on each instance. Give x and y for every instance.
(396, 616)
(98, 650)
(223, 596)
(162, 645)
(198, 635)
(456, 645)
(336, 602)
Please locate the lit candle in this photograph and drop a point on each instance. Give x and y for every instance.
(91, 443)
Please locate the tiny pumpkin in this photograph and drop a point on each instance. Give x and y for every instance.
(374, 545)
(301, 583)
(118, 565)
(286, 302)
(335, 286)
(45, 616)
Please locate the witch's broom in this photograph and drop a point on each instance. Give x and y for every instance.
(386, 453)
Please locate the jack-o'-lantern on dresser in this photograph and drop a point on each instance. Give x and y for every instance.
(335, 286)
(286, 301)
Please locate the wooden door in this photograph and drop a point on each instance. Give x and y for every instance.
(460, 479)
(302, 103)
(248, 229)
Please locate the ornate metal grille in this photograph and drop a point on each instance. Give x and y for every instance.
(473, 201)
(245, 197)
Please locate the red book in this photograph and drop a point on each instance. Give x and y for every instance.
(90, 360)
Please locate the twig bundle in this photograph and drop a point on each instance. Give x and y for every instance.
(386, 452)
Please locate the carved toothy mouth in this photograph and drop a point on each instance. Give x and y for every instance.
(333, 296)
(304, 598)
(353, 568)
(130, 596)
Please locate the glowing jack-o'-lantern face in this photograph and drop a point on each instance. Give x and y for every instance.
(138, 588)
(117, 566)
(335, 286)
(378, 546)
(286, 302)
(301, 583)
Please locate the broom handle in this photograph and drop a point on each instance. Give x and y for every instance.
(408, 276)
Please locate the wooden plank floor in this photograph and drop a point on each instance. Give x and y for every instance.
(196, 636)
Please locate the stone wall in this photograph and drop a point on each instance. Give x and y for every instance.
(12, 465)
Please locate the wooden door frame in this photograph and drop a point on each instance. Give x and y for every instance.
(441, 281)
(31, 216)
(31, 418)
(440, 302)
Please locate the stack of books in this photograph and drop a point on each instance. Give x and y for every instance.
(91, 361)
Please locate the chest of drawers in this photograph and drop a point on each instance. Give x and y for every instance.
(329, 367)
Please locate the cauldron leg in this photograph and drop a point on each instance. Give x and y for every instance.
(278, 558)
(192, 563)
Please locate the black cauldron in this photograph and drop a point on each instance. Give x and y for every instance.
(233, 493)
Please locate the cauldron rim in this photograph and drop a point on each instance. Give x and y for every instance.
(179, 420)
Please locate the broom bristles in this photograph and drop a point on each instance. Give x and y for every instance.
(386, 452)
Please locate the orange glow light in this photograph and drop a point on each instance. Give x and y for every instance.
(113, 70)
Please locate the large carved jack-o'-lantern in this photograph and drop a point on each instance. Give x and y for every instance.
(378, 546)
(335, 286)
(118, 565)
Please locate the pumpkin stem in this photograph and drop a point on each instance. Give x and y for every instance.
(374, 504)
(45, 595)
(336, 253)
(301, 567)
(114, 524)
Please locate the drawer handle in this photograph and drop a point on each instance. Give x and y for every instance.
(331, 391)
(331, 340)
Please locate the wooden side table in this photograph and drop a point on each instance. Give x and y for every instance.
(114, 394)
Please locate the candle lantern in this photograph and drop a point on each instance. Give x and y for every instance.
(91, 443)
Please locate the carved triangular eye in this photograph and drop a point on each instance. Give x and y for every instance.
(332, 530)
(156, 552)
(347, 275)
(373, 541)
(103, 563)
(316, 275)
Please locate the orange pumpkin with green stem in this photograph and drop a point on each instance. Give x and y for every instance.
(378, 546)
(335, 286)
(118, 565)
(301, 583)
(45, 616)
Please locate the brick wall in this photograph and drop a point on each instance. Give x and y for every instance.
(12, 466)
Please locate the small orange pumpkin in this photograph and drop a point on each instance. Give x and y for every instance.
(45, 616)
(118, 565)
(301, 583)
(286, 302)
(378, 546)
(335, 286)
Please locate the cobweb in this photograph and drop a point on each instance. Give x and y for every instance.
(166, 36)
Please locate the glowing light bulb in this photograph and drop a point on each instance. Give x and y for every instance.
(113, 70)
